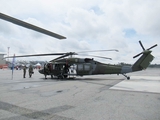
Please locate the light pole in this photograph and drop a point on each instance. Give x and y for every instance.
(8, 53)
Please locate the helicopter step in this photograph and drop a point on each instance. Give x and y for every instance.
(128, 78)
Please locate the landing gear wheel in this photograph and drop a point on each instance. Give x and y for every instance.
(65, 76)
(128, 78)
(60, 76)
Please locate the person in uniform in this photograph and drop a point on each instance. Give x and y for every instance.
(45, 70)
(30, 70)
(24, 72)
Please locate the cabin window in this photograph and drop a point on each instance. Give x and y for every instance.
(86, 67)
(80, 67)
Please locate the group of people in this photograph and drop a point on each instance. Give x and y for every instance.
(30, 71)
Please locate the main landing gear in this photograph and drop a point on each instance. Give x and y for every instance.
(128, 78)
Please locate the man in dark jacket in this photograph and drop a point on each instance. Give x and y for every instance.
(24, 72)
(30, 70)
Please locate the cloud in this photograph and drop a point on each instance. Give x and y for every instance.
(87, 25)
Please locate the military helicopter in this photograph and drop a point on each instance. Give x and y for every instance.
(62, 67)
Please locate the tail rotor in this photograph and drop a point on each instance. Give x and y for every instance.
(144, 49)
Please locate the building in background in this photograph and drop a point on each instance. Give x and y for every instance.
(3, 63)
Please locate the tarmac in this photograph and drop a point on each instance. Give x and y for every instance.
(99, 97)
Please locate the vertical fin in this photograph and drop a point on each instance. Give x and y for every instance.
(143, 62)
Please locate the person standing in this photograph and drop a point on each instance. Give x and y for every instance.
(24, 72)
(30, 70)
(45, 70)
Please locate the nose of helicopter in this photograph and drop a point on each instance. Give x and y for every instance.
(41, 71)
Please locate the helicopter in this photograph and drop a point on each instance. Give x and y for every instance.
(62, 67)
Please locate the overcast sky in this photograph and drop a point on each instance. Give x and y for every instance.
(88, 25)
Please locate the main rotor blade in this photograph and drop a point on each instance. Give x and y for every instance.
(36, 55)
(100, 57)
(65, 55)
(137, 55)
(141, 45)
(98, 51)
(152, 47)
(30, 26)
